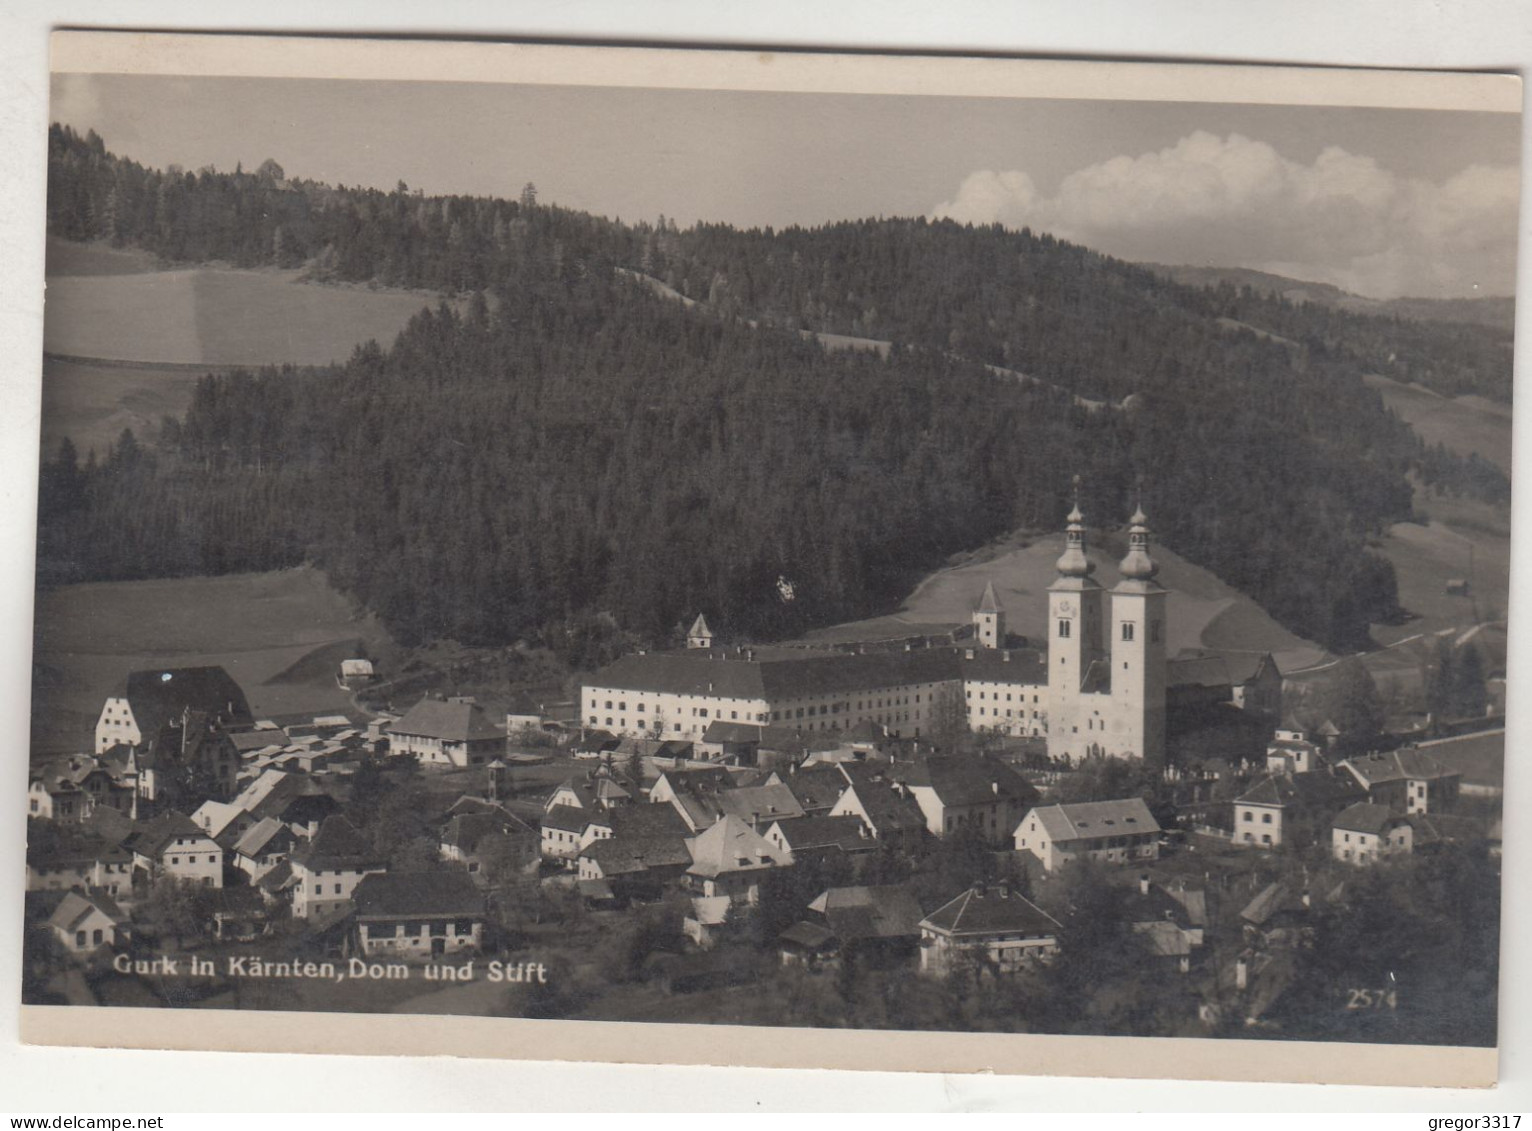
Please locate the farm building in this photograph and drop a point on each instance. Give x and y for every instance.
(451, 732)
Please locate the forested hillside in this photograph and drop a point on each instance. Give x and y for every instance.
(574, 445)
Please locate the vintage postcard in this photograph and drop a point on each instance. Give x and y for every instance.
(776, 559)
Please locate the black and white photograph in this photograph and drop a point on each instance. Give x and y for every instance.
(833, 544)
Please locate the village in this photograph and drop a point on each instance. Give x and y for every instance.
(975, 829)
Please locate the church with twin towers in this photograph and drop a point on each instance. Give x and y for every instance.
(1098, 686)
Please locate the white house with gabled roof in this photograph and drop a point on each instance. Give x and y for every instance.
(1114, 832)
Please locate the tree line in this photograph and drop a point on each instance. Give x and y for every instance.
(571, 446)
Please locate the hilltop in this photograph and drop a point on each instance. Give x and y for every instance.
(1497, 312)
(567, 445)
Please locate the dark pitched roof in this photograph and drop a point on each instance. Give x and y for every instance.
(259, 836)
(631, 853)
(1006, 665)
(1480, 758)
(276, 879)
(75, 906)
(387, 895)
(988, 603)
(569, 818)
(963, 780)
(160, 695)
(808, 833)
(465, 831)
(75, 847)
(152, 837)
(888, 810)
(817, 787)
(337, 845)
(1398, 765)
(1090, 819)
(1302, 790)
(450, 722)
(782, 674)
(883, 911)
(1364, 817)
(978, 911)
(647, 820)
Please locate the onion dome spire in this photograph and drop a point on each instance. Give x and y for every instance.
(1138, 565)
(1073, 562)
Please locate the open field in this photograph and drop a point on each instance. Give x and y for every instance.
(67, 257)
(1203, 612)
(126, 338)
(218, 316)
(263, 628)
(1465, 539)
(1462, 424)
(92, 402)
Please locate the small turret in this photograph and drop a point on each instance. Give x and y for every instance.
(701, 636)
(1138, 565)
(1073, 562)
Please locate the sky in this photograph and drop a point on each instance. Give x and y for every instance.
(1380, 202)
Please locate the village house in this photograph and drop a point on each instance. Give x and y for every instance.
(563, 833)
(1172, 920)
(171, 845)
(998, 930)
(1365, 832)
(644, 850)
(150, 700)
(1112, 832)
(886, 808)
(71, 789)
(728, 860)
(262, 847)
(1406, 781)
(878, 925)
(1291, 808)
(327, 870)
(1290, 752)
(469, 828)
(85, 920)
(817, 837)
(451, 732)
(78, 859)
(977, 793)
(417, 915)
(594, 791)
(817, 789)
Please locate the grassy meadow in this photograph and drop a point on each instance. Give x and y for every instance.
(280, 635)
(1203, 612)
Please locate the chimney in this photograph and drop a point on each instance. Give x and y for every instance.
(1241, 973)
(1143, 885)
(968, 653)
(1006, 655)
(1306, 899)
(994, 787)
(1005, 891)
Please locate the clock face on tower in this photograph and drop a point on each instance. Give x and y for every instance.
(1066, 608)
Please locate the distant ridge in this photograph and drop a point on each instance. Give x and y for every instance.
(1495, 311)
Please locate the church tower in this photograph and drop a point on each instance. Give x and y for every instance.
(701, 636)
(1138, 652)
(1074, 642)
(989, 620)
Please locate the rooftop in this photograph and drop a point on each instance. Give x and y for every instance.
(981, 911)
(388, 895)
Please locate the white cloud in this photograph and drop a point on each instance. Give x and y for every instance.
(1234, 201)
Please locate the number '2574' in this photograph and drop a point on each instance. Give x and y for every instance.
(1372, 999)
